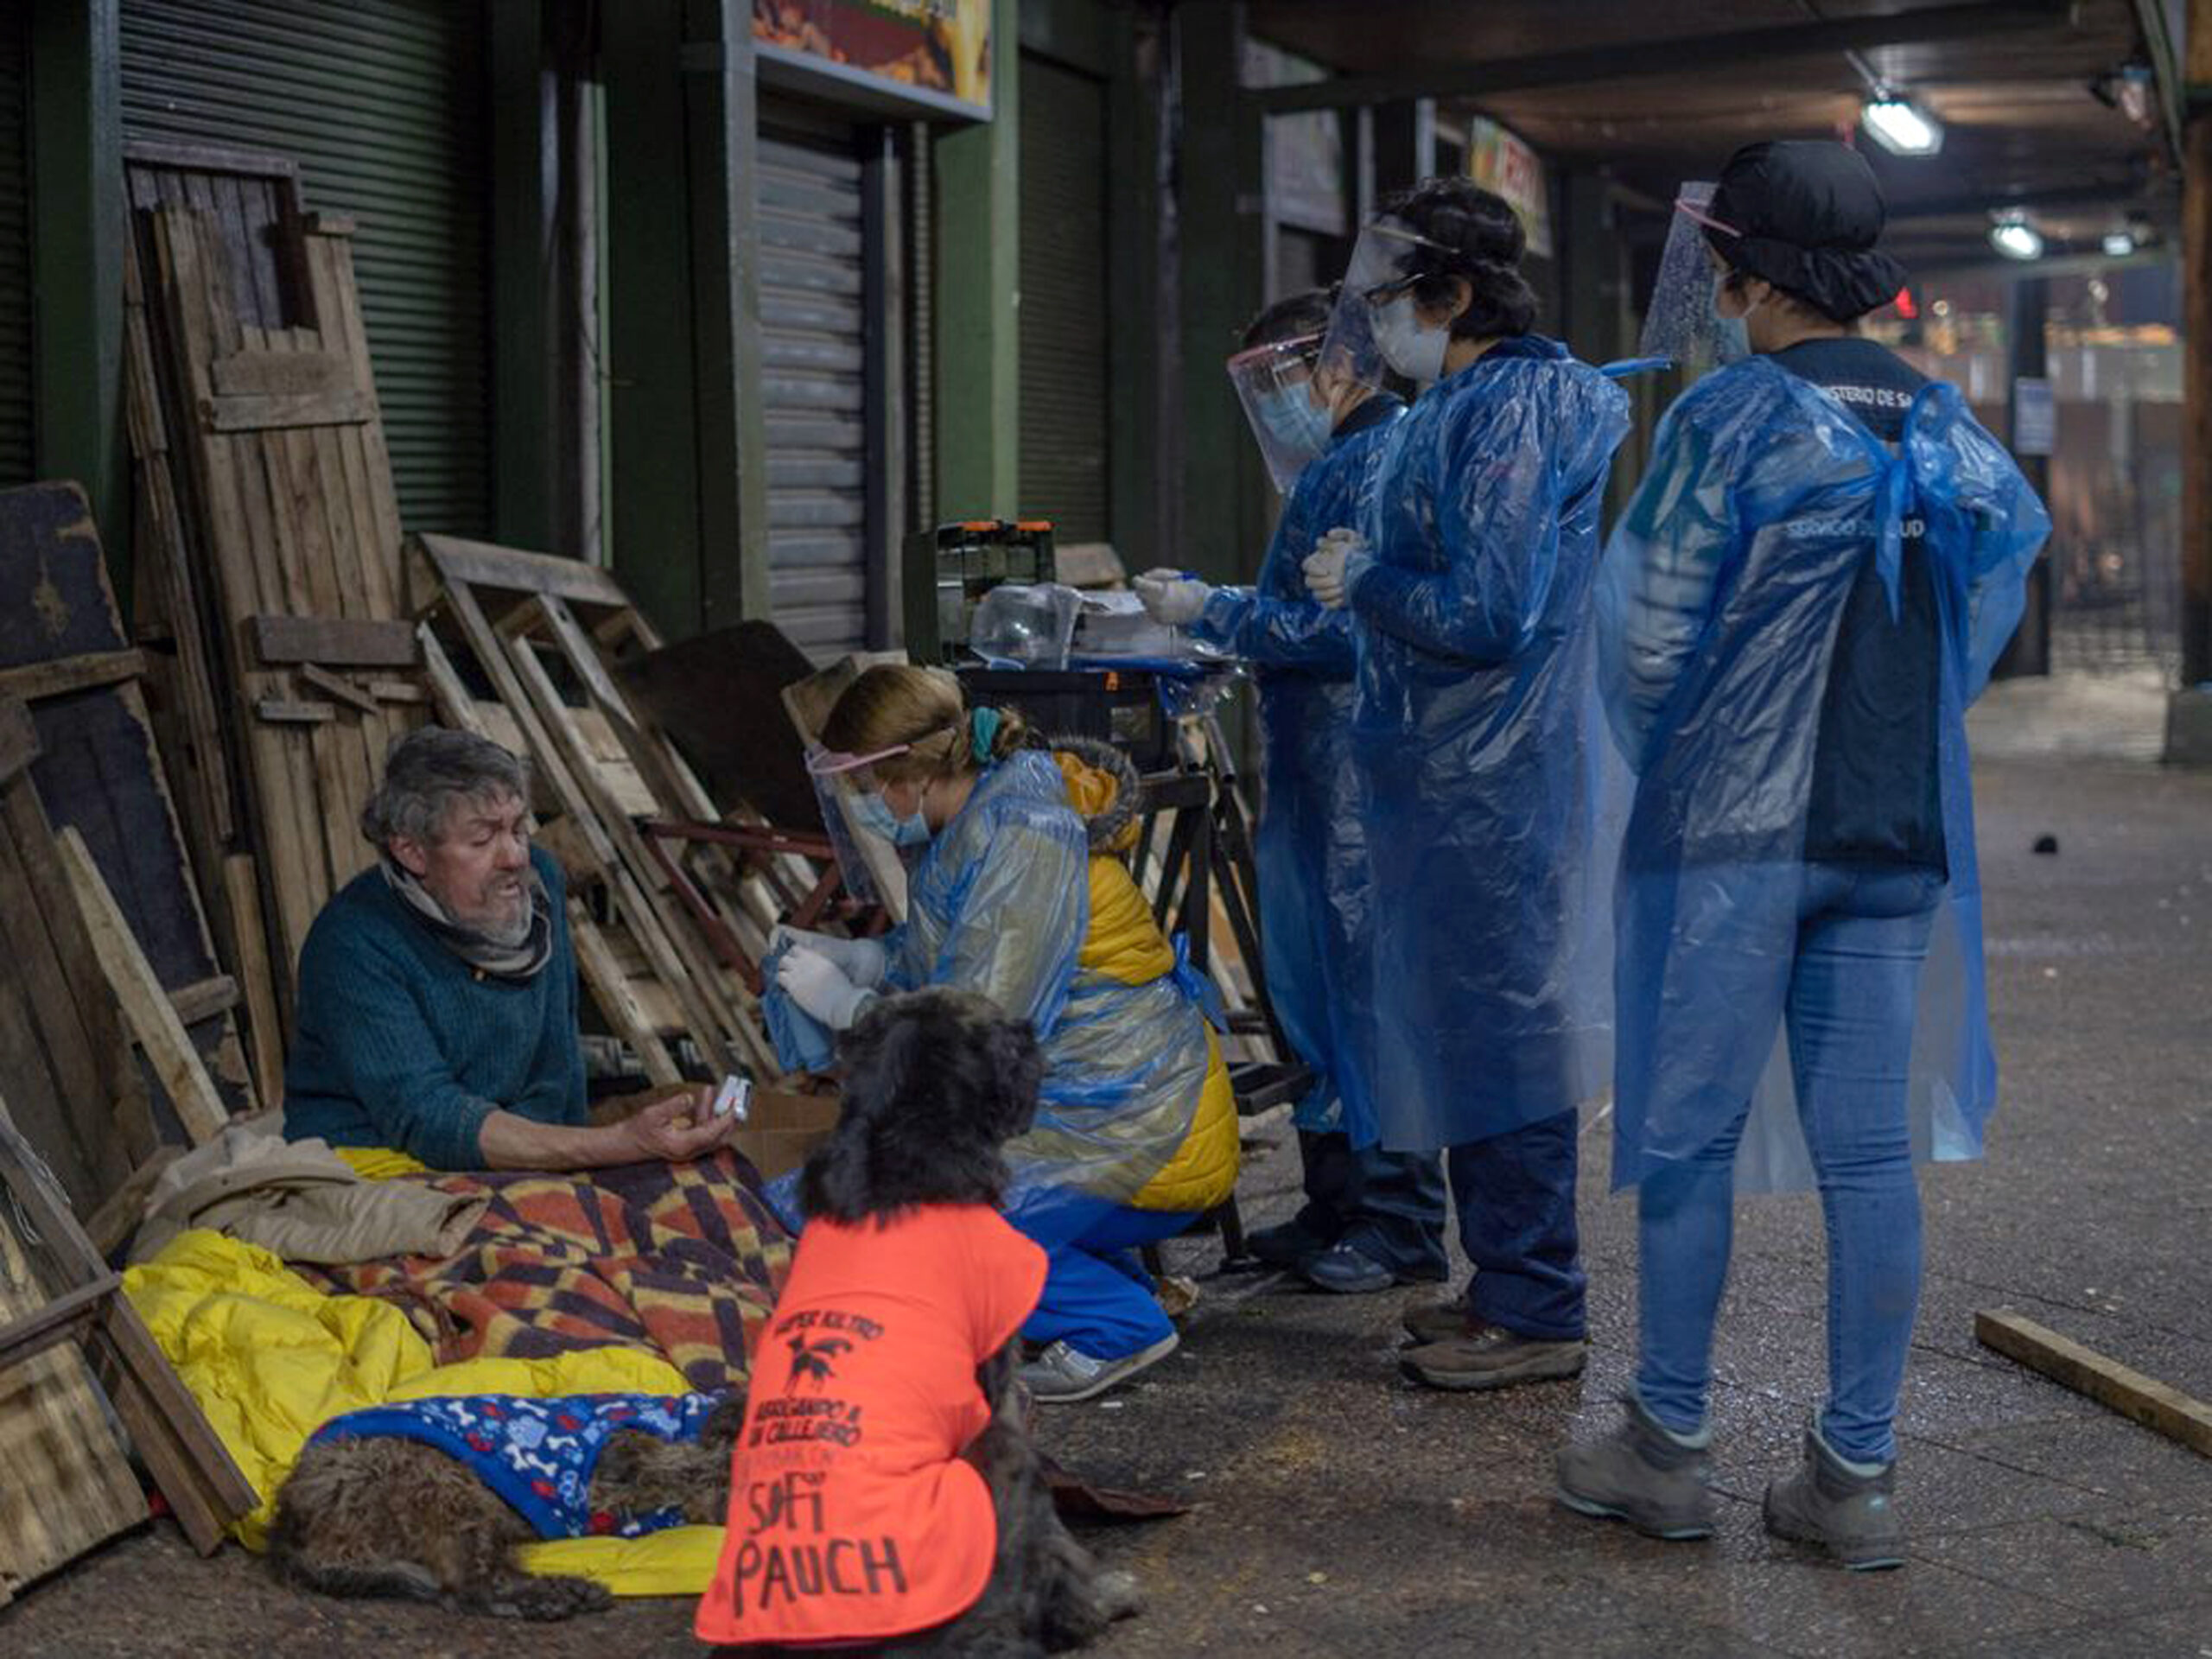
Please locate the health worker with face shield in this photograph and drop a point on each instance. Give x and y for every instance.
(1481, 753)
(1017, 890)
(1371, 1218)
(1809, 588)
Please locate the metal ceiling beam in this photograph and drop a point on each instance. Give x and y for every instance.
(1645, 60)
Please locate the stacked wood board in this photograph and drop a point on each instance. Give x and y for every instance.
(542, 635)
(63, 650)
(273, 542)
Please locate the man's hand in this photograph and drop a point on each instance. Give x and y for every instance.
(616, 1107)
(677, 1129)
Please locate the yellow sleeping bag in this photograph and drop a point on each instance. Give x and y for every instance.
(270, 1360)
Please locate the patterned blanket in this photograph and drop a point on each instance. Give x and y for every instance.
(683, 1260)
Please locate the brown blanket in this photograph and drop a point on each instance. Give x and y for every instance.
(683, 1260)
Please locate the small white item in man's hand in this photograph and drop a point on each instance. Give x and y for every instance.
(734, 1098)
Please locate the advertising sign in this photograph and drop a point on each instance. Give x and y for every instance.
(921, 56)
(1501, 162)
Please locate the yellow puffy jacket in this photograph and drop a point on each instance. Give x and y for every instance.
(1124, 944)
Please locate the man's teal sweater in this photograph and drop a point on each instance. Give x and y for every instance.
(403, 1044)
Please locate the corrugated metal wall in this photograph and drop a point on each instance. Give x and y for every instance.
(15, 457)
(814, 387)
(1065, 389)
(383, 102)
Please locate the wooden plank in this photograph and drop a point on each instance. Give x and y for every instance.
(507, 570)
(331, 253)
(65, 1485)
(86, 671)
(112, 1226)
(18, 739)
(402, 692)
(2144, 1399)
(204, 999)
(337, 686)
(205, 1489)
(72, 1010)
(283, 374)
(292, 711)
(282, 414)
(146, 1007)
(611, 990)
(242, 889)
(334, 642)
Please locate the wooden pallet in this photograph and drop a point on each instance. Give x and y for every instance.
(290, 531)
(67, 1485)
(63, 1059)
(63, 650)
(544, 633)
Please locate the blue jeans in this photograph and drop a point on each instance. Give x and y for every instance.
(1515, 1193)
(1387, 1205)
(1862, 934)
(1098, 1299)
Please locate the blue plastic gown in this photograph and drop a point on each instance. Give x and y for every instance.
(1000, 903)
(802, 1042)
(1480, 744)
(1309, 845)
(1718, 609)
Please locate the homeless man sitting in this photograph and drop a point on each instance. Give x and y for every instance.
(437, 996)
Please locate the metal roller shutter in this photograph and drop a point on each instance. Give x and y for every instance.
(814, 386)
(383, 104)
(16, 460)
(1064, 369)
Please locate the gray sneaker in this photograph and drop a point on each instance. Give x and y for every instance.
(1062, 1373)
(1641, 1473)
(1852, 1516)
(1490, 1356)
(1437, 1322)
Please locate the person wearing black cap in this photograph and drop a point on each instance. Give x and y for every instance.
(1810, 585)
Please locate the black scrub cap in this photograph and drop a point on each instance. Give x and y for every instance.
(1805, 216)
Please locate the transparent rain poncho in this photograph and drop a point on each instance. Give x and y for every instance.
(1309, 845)
(1480, 746)
(1719, 606)
(999, 904)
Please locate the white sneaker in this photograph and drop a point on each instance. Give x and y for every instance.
(1063, 1374)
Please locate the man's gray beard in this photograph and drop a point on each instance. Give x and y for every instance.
(511, 931)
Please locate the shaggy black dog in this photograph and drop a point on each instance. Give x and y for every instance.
(935, 1082)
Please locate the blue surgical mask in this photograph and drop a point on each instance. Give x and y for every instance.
(1731, 335)
(873, 813)
(1407, 346)
(1293, 420)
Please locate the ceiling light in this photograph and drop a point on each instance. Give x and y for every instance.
(2118, 245)
(2016, 240)
(1901, 126)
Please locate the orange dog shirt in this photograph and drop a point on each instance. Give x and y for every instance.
(853, 1517)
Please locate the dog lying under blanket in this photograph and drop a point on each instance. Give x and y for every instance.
(886, 1490)
(426, 1501)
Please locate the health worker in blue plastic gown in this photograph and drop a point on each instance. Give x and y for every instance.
(1809, 588)
(1371, 1218)
(1481, 752)
(1017, 891)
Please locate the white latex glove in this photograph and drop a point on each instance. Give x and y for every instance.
(1326, 576)
(820, 987)
(1171, 597)
(864, 962)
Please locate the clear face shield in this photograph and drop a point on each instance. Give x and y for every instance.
(1679, 322)
(839, 781)
(1285, 404)
(1379, 327)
